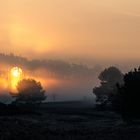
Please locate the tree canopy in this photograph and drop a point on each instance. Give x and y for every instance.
(111, 75)
(30, 91)
(130, 95)
(108, 80)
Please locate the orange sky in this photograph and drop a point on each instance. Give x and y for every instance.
(97, 29)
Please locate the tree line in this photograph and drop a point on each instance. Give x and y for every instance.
(119, 91)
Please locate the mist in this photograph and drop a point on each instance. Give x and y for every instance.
(67, 81)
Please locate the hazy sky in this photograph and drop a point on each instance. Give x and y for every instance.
(83, 29)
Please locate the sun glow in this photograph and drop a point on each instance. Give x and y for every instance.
(16, 72)
(15, 76)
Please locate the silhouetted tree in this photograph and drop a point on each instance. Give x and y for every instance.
(107, 89)
(130, 95)
(30, 91)
(111, 75)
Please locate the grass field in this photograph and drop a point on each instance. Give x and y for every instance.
(67, 120)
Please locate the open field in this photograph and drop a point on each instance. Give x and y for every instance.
(70, 121)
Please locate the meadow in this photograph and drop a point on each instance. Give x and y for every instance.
(67, 120)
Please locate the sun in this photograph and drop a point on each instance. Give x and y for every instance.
(16, 72)
(15, 76)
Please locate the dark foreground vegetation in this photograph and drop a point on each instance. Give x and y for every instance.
(71, 121)
(121, 92)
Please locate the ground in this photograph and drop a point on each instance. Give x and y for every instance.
(70, 121)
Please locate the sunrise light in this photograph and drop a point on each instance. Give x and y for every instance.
(15, 77)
